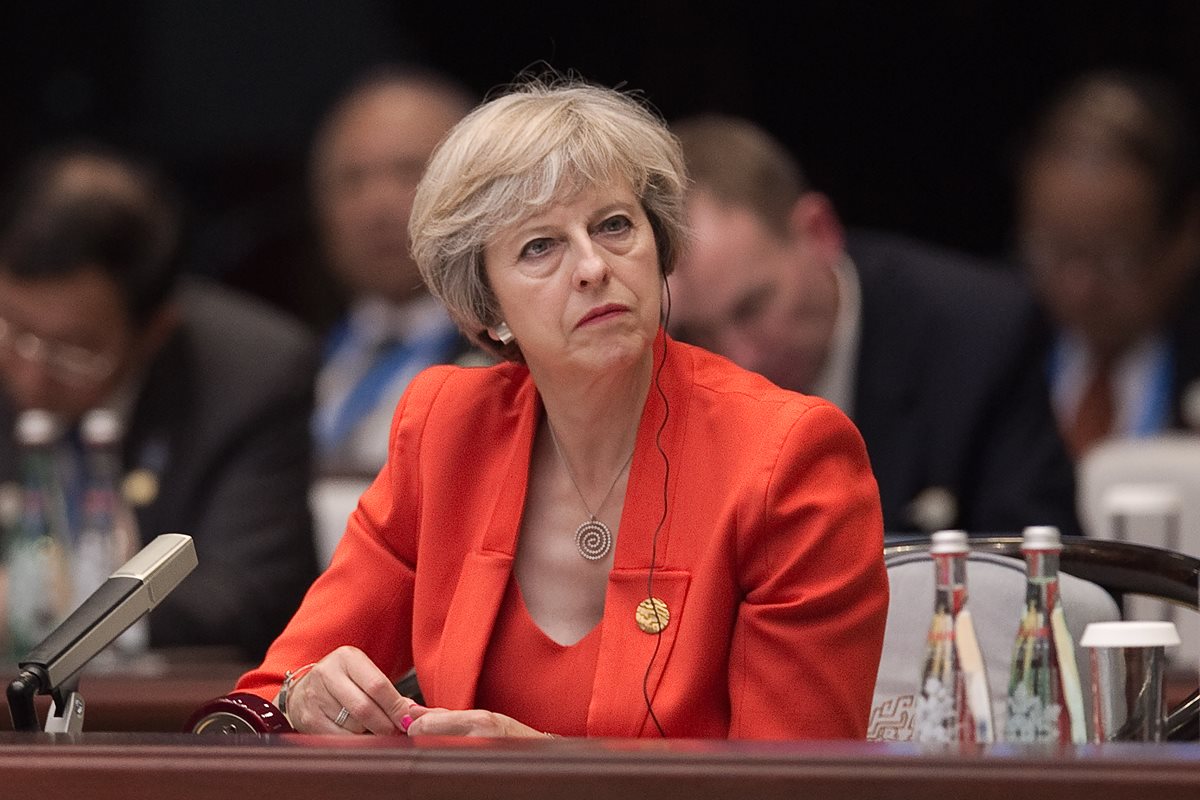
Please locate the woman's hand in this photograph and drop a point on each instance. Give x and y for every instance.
(348, 679)
(476, 722)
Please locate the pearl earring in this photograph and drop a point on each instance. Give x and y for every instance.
(503, 334)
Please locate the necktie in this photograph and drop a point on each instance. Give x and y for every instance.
(388, 356)
(1095, 414)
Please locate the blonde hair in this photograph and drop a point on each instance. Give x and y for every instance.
(521, 152)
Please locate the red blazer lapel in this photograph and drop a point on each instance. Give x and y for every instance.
(618, 704)
(469, 621)
(472, 609)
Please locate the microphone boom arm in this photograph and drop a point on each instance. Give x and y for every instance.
(130, 592)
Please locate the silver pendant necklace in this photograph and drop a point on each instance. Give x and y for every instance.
(592, 538)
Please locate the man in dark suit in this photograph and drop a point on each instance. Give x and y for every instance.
(934, 358)
(215, 392)
(1109, 229)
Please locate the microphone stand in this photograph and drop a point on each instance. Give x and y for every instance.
(20, 700)
(66, 713)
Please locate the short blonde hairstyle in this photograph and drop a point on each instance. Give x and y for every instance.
(518, 154)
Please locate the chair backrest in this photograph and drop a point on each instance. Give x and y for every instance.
(996, 596)
(332, 499)
(1127, 486)
(1147, 491)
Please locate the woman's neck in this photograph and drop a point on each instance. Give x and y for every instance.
(595, 417)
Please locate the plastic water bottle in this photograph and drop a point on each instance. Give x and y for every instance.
(1045, 698)
(953, 704)
(108, 535)
(39, 579)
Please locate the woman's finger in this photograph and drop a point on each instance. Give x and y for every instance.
(476, 722)
(346, 693)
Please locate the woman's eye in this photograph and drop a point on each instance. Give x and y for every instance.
(616, 224)
(535, 248)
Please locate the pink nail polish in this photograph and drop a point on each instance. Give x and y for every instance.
(405, 721)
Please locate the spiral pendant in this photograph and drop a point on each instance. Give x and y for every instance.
(594, 539)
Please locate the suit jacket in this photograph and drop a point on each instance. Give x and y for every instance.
(951, 397)
(221, 420)
(768, 557)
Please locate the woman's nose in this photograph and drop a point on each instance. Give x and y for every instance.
(591, 268)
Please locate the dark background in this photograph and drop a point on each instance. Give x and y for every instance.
(907, 114)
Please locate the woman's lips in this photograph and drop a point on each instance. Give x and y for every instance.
(600, 313)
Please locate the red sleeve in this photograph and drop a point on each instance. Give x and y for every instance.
(365, 597)
(809, 631)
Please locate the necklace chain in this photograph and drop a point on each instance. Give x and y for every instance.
(593, 538)
(575, 483)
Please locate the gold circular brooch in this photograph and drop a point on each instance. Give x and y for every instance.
(652, 615)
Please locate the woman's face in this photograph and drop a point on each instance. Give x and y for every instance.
(579, 282)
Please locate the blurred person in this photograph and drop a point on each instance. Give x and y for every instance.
(932, 355)
(610, 533)
(1109, 229)
(366, 160)
(214, 391)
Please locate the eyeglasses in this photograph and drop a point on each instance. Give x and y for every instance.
(71, 364)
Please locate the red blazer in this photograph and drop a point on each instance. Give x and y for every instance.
(769, 558)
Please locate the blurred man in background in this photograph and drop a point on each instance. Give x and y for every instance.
(1109, 229)
(366, 161)
(214, 392)
(932, 356)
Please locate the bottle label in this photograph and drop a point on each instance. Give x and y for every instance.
(936, 720)
(978, 696)
(1069, 671)
(1030, 717)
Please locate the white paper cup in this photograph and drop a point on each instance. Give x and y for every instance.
(1127, 678)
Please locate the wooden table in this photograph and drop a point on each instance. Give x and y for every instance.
(132, 766)
(99, 765)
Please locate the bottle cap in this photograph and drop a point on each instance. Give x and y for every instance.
(1130, 633)
(36, 426)
(1041, 537)
(949, 542)
(101, 426)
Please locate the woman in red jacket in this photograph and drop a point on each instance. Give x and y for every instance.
(609, 533)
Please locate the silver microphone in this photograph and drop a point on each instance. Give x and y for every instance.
(130, 592)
